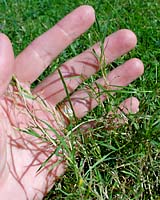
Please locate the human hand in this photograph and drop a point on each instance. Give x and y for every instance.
(22, 154)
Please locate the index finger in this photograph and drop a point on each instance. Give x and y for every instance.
(33, 60)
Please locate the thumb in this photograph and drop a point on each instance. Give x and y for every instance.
(6, 71)
(6, 62)
(3, 148)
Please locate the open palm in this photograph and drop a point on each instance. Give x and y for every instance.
(22, 154)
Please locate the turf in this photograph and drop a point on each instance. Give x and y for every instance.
(115, 164)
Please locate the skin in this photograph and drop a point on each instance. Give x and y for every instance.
(21, 154)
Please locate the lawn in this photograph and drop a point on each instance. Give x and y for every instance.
(121, 163)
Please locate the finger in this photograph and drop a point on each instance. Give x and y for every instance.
(40, 53)
(84, 100)
(84, 65)
(130, 105)
(117, 117)
(6, 62)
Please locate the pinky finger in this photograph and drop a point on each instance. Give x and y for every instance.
(117, 118)
(128, 106)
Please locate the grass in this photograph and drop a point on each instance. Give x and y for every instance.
(115, 164)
